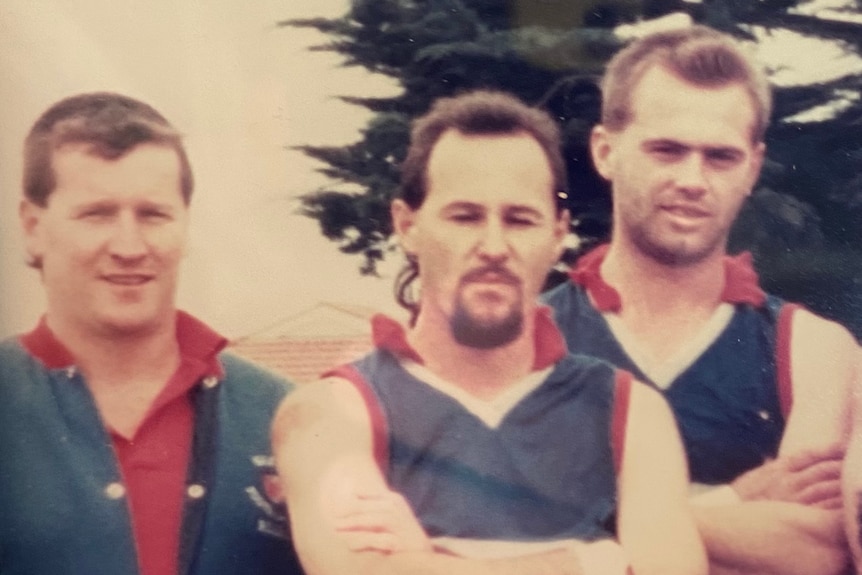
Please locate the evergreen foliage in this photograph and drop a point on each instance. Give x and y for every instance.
(551, 53)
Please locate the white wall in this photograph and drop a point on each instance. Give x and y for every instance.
(242, 90)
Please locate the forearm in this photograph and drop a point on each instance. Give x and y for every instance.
(777, 538)
(557, 562)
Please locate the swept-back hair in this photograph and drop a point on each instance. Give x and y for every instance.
(699, 55)
(484, 113)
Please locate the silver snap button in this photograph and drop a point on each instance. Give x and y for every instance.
(210, 381)
(196, 491)
(71, 371)
(764, 415)
(115, 490)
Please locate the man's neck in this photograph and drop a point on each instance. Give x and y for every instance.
(663, 307)
(118, 359)
(483, 373)
(650, 287)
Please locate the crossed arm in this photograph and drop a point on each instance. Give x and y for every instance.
(345, 519)
(788, 520)
(852, 478)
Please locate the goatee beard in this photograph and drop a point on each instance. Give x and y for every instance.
(478, 334)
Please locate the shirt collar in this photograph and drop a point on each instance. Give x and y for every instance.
(741, 283)
(199, 345)
(550, 347)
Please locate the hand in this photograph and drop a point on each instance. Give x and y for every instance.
(811, 477)
(382, 523)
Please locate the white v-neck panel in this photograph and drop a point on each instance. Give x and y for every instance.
(664, 373)
(491, 412)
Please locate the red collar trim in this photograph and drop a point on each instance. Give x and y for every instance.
(550, 347)
(199, 346)
(44, 346)
(741, 283)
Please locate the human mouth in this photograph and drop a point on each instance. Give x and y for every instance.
(686, 210)
(128, 280)
(491, 276)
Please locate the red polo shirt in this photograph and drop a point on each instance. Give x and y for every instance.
(154, 462)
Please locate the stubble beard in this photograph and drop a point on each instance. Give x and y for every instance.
(675, 253)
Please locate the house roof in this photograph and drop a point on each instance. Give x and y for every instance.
(303, 346)
(303, 360)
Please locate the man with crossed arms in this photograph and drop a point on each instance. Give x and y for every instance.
(759, 386)
(471, 442)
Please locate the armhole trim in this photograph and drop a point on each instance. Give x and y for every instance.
(379, 426)
(783, 371)
(620, 416)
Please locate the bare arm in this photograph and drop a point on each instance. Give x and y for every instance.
(323, 445)
(789, 519)
(823, 357)
(852, 477)
(772, 538)
(655, 525)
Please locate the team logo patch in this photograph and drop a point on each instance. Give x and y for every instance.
(268, 497)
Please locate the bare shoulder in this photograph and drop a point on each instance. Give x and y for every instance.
(328, 402)
(822, 351)
(824, 359)
(812, 333)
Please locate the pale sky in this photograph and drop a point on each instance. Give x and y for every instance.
(241, 90)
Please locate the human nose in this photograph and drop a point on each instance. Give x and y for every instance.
(128, 241)
(493, 244)
(691, 175)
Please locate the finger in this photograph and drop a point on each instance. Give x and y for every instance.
(819, 492)
(365, 541)
(800, 460)
(823, 471)
(361, 505)
(833, 504)
(373, 521)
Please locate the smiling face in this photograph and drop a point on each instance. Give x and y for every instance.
(110, 239)
(486, 235)
(681, 168)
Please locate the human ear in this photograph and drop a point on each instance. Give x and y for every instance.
(757, 157)
(561, 230)
(601, 149)
(30, 216)
(404, 224)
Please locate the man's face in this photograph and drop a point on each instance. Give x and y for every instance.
(682, 167)
(486, 235)
(110, 239)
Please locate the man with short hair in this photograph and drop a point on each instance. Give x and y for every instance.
(758, 386)
(130, 443)
(472, 442)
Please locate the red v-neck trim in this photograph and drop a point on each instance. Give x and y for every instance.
(741, 284)
(550, 347)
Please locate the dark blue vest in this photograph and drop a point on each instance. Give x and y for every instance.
(726, 403)
(546, 472)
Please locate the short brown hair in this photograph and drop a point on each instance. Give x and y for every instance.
(111, 124)
(698, 54)
(481, 112)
